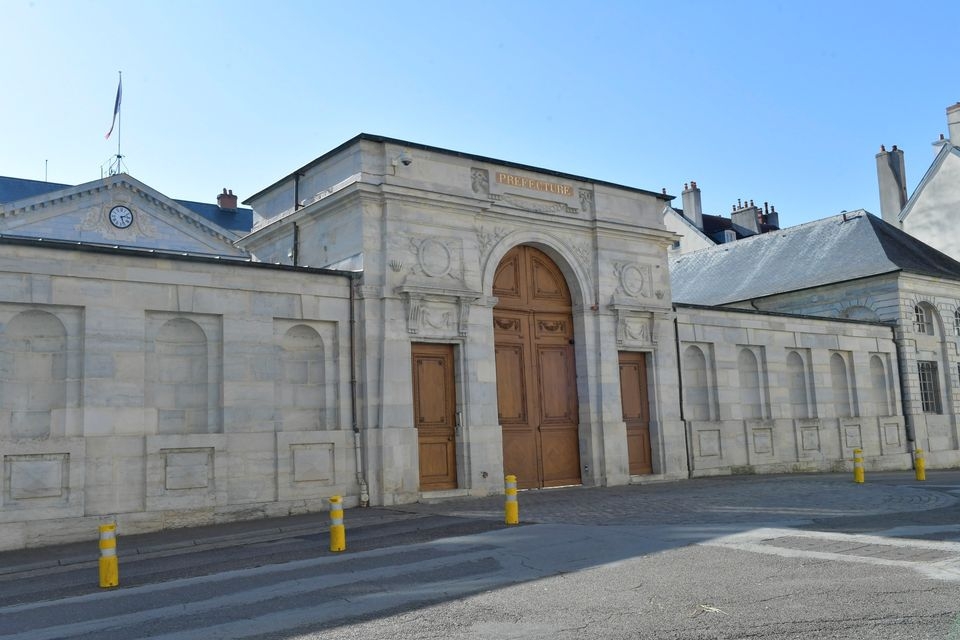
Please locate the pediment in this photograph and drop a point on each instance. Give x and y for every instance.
(82, 214)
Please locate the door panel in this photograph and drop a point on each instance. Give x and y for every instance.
(536, 371)
(434, 414)
(636, 411)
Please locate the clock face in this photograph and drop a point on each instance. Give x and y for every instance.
(121, 217)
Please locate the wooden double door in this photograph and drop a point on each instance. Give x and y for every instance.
(536, 371)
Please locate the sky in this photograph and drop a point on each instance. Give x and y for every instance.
(779, 102)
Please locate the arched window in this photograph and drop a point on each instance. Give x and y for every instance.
(841, 385)
(797, 378)
(696, 384)
(749, 370)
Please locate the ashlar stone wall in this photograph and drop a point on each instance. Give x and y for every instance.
(165, 393)
(766, 392)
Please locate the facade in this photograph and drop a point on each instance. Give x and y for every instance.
(535, 282)
(394, 321)
(854, 266)
(162, 369)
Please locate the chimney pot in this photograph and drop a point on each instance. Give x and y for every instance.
(227, 200)
(883, 149)
(685, 186)
(894, 147)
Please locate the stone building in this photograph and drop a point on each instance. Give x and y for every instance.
(394, 321)
(164, 369)
(901, 350)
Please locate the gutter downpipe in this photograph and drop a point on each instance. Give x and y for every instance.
(907, 420)
(357, 440)
(686, 435)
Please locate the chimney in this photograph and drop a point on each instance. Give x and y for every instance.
(227, 200)
(770, 216)
(892, 179)
(692, 209)
(746, 215)
(953, 124)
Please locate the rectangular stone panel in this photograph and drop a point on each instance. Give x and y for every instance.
(709, 443)
(851, 436)
(891, 434)
(187, 468)
(810, 438)
(35, 476)
(763, 441)
(313, 462)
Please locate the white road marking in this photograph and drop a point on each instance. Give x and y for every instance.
(765, 541)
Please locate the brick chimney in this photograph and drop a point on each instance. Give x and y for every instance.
(953, 124)
(692, 208)
(892, 179)
(227, 200)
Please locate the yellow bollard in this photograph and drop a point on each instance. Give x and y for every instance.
(858, 466)
(510, 507)
(109, 569)
(920, 464)
(338, 536)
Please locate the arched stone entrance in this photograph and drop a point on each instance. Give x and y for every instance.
(536, 370)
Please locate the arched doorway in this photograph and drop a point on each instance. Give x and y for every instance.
(536, 370)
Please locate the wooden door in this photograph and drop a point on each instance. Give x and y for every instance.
(434, 414)
(636, 411)
(536, 371)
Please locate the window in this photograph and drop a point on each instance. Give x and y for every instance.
(922, 322)
(929, 387)
(956, 322)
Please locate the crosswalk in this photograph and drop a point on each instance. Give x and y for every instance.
(932, 558)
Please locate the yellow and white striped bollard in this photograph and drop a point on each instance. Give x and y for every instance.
(920, 464)
(858, 466)
(338, 535)
(109, 568)
(511, 509)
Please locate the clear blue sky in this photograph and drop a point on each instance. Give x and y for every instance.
(786, 102)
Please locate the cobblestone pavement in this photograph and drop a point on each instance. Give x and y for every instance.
(725, 500)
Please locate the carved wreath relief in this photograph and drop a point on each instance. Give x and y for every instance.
(633, 279)
(438, 258)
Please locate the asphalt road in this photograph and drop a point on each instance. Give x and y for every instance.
(785, 557)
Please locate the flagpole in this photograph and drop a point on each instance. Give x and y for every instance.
(119, 120)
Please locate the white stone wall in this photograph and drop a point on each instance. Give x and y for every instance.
(165, 393)
(775, 393)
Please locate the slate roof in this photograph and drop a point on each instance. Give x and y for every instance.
(12, 189)
(835, 249)
(239, 220)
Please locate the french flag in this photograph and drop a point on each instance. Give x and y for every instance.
(116, 108)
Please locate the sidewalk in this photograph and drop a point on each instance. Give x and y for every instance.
(784, 500)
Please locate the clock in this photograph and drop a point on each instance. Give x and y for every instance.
(121, 217)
